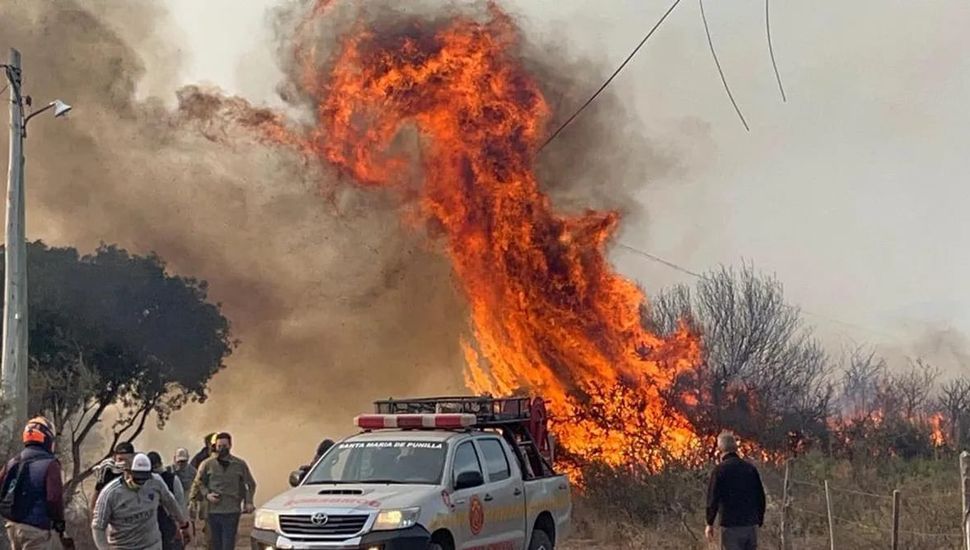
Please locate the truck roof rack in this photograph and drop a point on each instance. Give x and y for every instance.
(489, 411)
(521, 420)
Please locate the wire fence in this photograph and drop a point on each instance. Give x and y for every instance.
(850, 517)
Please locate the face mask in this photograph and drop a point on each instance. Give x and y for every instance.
(223, 453)
(134, 483)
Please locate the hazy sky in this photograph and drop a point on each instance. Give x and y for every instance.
(852, 192)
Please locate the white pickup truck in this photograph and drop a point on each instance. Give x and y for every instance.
(468, 475)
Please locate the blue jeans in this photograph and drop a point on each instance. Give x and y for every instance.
(222, 531)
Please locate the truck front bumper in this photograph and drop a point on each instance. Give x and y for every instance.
(413, 538)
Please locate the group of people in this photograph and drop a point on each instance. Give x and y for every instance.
(139, 503)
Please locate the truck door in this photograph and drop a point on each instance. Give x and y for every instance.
(467, 502)
(503, 498)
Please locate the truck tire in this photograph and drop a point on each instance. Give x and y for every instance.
(540, 541)
(434, 546)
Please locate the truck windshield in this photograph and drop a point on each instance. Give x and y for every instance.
(390, 461)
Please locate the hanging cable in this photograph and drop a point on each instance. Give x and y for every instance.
(610, 79)
(771, 51)
(717, 63)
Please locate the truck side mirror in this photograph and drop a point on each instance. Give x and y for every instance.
(296, 476)
(468, 480)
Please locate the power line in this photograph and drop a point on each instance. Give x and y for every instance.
(717, 63)
(660, 260)
(698, 275)
(612, 76)
(771, 50)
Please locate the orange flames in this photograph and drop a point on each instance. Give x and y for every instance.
(548, 313)
(937, 435)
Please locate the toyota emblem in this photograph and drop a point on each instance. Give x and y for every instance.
(319, 518)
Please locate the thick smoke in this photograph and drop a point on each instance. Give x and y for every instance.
(335, 301)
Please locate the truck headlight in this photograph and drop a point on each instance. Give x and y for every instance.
(400, 518)
(267, 520)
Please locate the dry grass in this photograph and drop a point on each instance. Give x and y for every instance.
(614, 518)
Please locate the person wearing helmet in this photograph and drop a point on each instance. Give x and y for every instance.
(207, 450)
(198, 507)
(31, 491)
(126, 514)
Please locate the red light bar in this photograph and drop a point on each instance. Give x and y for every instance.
(415, 421)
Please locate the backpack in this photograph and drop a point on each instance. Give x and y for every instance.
(13, 486)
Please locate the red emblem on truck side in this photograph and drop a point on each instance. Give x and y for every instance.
(476, 516)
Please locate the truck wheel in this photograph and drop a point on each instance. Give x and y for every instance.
(434, 546)
(540, 541)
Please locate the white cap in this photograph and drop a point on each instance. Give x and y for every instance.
(182, 454)
(141, 463)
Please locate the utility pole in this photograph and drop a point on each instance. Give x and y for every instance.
(14, 364)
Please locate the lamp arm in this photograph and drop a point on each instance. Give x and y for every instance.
(37, 112)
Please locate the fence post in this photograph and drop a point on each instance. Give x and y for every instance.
(965, 493)
(896, 504)
(828, 506)
(785, 504)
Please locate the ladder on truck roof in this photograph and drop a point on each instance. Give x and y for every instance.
(522, 421)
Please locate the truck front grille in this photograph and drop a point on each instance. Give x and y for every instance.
(335, 525)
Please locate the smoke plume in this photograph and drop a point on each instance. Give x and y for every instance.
(336, 302)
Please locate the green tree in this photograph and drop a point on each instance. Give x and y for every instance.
(112, 331)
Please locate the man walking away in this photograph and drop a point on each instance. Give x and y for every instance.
(228, 487)
(112, 468)
(31, 492)
(735, 493)
(125, 517)
(166, 525)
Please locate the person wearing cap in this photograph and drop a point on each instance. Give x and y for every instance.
(228, 487)
(170, 538)
(38, 501)
(112, 468)
(735, 493)
(182, 469)
(126, 514)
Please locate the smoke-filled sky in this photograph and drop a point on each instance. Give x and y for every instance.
(850, 192)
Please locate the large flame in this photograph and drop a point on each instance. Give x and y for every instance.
(548, 314)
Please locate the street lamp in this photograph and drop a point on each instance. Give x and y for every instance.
(60, 109)
(13, 369)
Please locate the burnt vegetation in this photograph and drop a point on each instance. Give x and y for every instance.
(867, 422)
(766, 377)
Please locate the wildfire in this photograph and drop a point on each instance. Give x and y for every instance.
(937, 435)
(548, 313)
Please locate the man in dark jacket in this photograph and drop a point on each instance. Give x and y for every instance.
(208, 447)
(38, 493)
(735, 493)
(167, 526)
